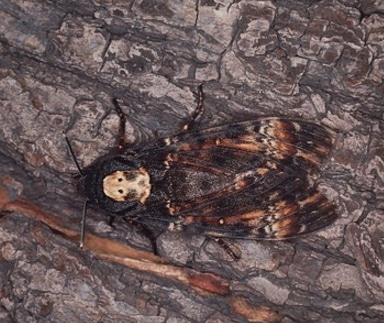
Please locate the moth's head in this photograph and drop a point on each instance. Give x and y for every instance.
(115, 184)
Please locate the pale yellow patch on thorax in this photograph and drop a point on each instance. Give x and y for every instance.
(128, 185)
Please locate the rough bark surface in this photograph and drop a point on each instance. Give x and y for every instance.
(61, 62)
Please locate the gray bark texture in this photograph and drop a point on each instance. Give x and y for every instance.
(61, 63)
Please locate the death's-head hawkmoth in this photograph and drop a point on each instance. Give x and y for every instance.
(239, 180)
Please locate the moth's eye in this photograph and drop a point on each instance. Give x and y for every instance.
(120, 191)
(119, 179)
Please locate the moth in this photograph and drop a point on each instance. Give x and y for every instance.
(247, 180)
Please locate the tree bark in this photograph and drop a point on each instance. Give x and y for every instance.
(61, 64)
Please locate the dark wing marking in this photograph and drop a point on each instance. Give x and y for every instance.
(291, 143)
(300, 143)
(281, 220)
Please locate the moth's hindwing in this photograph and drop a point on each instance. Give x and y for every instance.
(243, 180)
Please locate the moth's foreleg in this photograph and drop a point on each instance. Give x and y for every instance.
(121, 139)
(198, 111)
(145, 230)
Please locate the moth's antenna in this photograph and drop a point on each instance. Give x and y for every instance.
(82, 230)
(73, 156)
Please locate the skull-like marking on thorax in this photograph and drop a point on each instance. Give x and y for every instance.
(128, 186)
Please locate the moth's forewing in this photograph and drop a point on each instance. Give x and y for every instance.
(243, 180)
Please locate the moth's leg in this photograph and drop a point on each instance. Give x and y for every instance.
(111, 220)
(198, 111)
(145, 230)
(231, 250)
(234, 253)
(120, 140)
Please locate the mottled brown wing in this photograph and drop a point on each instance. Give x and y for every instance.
(296, 144)
(248, 180)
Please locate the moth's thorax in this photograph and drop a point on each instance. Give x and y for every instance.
(128, 185)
